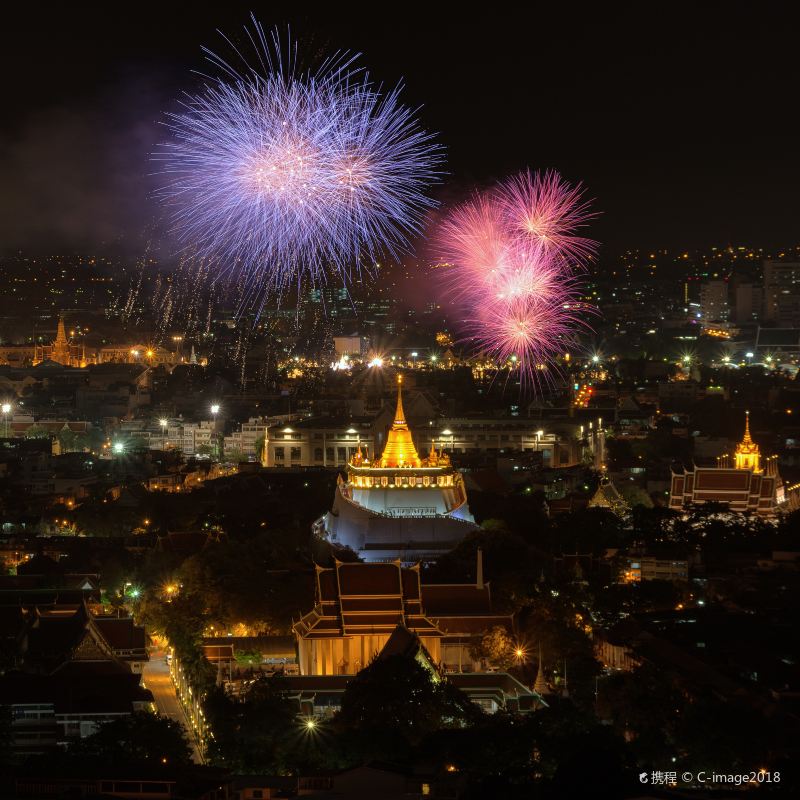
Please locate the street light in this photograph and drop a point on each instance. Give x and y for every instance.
(448, 432)
(6, 409)
(214, 412)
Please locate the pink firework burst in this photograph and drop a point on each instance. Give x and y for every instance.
(515, 261)
(549, 211)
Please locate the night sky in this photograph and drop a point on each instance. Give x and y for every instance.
(682, 122)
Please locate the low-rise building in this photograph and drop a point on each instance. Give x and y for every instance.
(67, 678)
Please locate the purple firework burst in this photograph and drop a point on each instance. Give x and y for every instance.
(280, 175)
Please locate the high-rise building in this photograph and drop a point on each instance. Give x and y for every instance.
(748, 301)
(782, 293)
(714, 301)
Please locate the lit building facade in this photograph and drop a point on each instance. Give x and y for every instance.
(782, 293)
(317, 443)
(326, 442)
(189, 438)
(358, 606)
(742, 482)
(398, 505)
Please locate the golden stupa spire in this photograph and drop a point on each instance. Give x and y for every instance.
(399, 413)
(400, 450)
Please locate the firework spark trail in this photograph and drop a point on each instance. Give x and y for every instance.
(516, 260)
(282, 175)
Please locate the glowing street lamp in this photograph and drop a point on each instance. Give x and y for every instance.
(214, 412)
(448, 432)
(119, 448)
(6, 409)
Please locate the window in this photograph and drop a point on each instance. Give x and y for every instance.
(317, 454)
(296, 451)
(341, 453)
(279, 454)
(329, 453)
(317, 435)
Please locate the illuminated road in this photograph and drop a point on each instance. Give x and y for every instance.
(157, 680)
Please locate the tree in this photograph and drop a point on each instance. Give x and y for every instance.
(139, 739)
(496, 647)
(67, 439)
(635, 496)
(509, 564)
(590, 529)
(259, 446)
(392, 704)
(259, 732)
(183, 621)
(37, 431)
(234, 455)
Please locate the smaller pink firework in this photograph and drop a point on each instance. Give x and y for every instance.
(515, 261)
(548, 210)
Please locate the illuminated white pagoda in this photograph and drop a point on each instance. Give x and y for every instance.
(398, 506)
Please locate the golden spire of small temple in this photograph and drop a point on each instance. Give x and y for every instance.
(433, 458)
(747, 438)
(748, 454)
(400, 450)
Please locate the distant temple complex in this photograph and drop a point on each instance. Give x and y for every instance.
(398, 506)
(743, 482)
(67, 353)
(61, 351)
